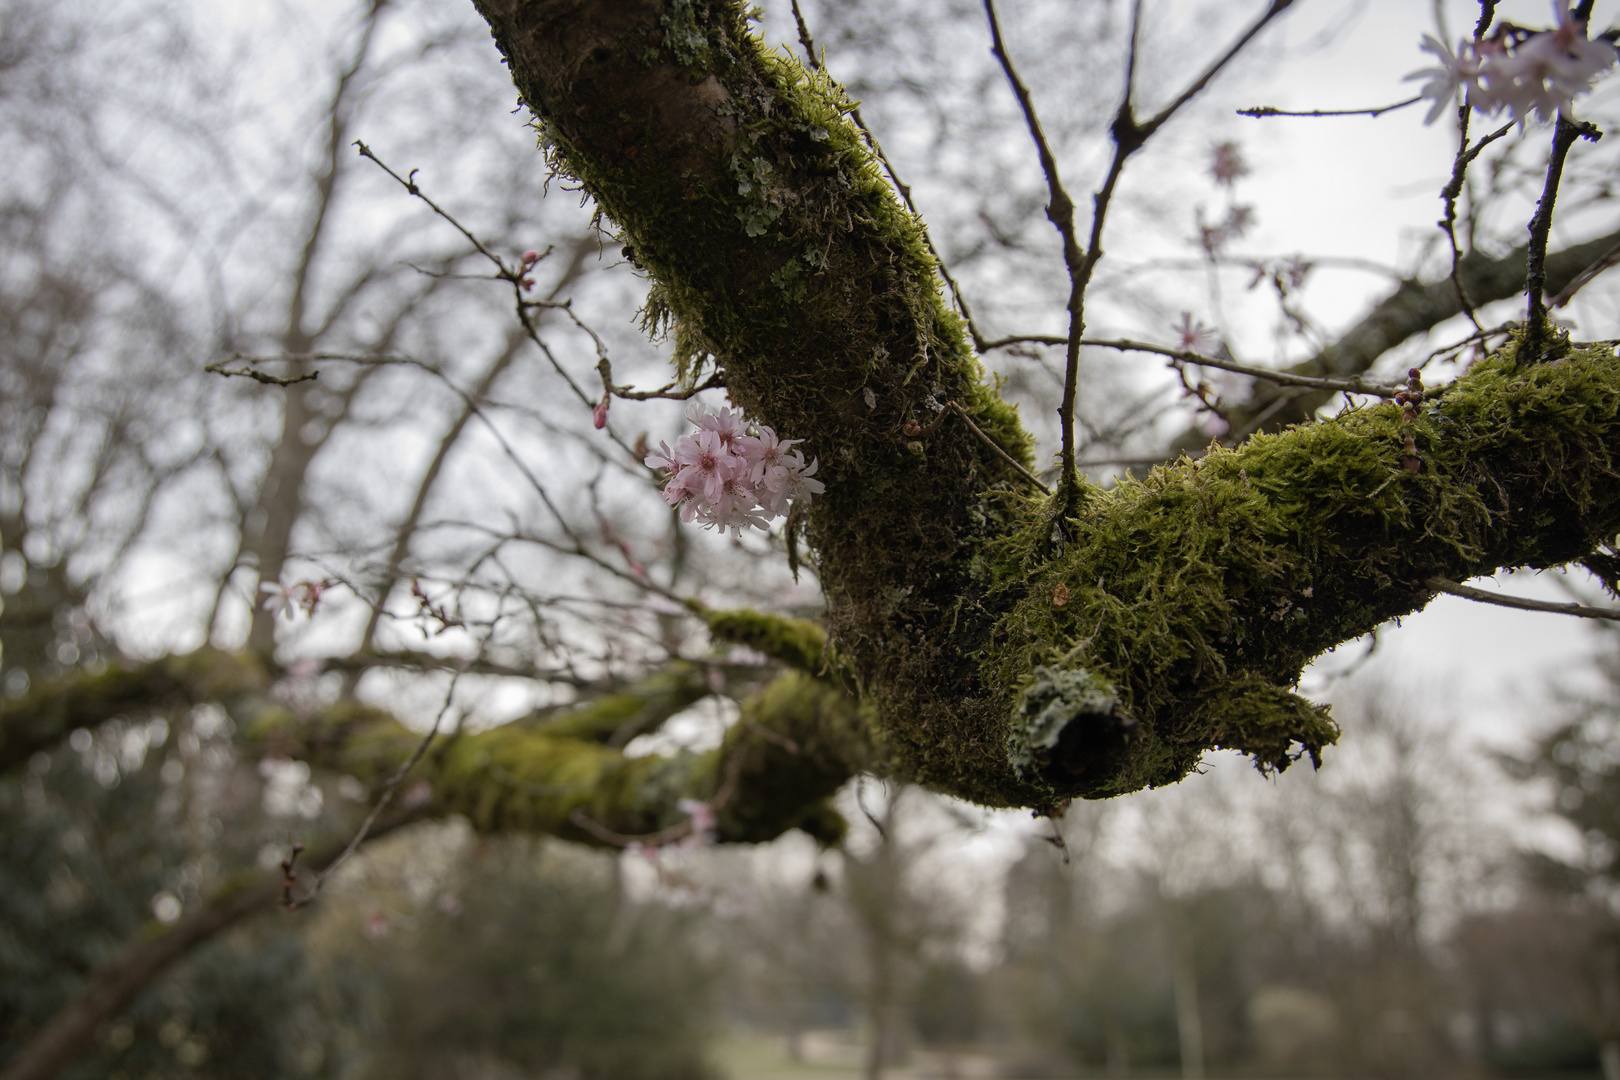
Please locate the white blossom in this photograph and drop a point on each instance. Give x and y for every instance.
(1519, 72)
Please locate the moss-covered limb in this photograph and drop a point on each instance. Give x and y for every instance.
(533, 774)
(1192, 599)
(83, 698)
(776, 248)
(798, 740)
(1412, 309)
(616, 717)
(798, 643)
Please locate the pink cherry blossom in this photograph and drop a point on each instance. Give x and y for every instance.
(1194, 336)
(706, 464)
(1520, 72)
(733, 474)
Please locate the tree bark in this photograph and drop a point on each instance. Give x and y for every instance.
(1005, 656)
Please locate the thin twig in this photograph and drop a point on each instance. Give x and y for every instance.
(1476, 336)
(409, 183)
(1450, 193)
(805, 38)
(992, 444)
(383, 800)
(1259, 111)
(668, 392)
(860, 801)
(1584, 611)
(1541, 227)
(1129, 135)
(1282, 378)
(1607, 261)
(1060, 211)
(1132, 462)
(516, 278)
(900, 186)
(601, 832)
(219, 368)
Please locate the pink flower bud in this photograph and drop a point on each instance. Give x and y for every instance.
(599, 414)
(531, 257)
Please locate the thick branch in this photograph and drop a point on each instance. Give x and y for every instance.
(47, 713)
(1004, 656)
(1413, 309)
(532, 774)
(1189, 607)
(777, 248)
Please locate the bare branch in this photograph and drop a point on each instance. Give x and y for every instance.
(1355, 385)
(378, 807)
(992, 444)
(257, 376)
(1259, 111)
(1060, 211)
(1129, 136)
(1536, 329)
(1608, 261)
(1584, 611)
(1450, 193)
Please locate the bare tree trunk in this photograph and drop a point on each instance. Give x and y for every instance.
(267, 531)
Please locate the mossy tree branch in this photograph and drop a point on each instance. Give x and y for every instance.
(561, 772)
(994, 661)
(50, 710)
(799, 738)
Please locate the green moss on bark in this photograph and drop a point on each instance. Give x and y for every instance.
(1198, 593)
(798, 643)
(1190, 599)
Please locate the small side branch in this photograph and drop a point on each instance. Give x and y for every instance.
(1281, 378)
(264, 377)
(913, 430)
(288, 900)
(1450, 193)
(1607, 261)
(992, 444)
(1541, 227)
(813, 58)
(1130, 134)
(1584, 611)
(667, 392)
(1260, 111)
(1060, 211)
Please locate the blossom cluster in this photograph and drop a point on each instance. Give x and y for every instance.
(1517, 70)
(730, 474)
(288, 600)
